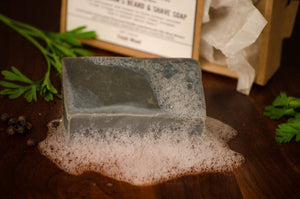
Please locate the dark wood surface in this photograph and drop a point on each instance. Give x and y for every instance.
(272, 170)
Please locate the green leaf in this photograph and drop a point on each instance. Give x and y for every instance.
(78, 29)
(47, 89)
(16, 75)
(79, 33)
(56, 62)
(14, 90)
(281, 100)
(72, 41)
(7, 91)
(9, 85)
(9, 75)
(284, 100)
(295, 123)
(82, 52)
(48, 96)
(297, 116)
(53, 46)
(286, 133)
(86, 35)
(294, 102)
(18, 92)
(285, 106)
(277, 113)
(283, 139)
(71, 37)
(23, 77)
(66, 51)
(31, 94)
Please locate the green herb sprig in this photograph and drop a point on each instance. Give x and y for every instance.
(285, 106)
(53, 46)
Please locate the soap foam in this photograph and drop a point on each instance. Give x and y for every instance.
(143, 160)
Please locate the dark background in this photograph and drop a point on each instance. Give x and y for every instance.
(271, 170)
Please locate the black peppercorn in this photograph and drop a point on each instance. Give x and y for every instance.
(11, 130)
(22, 120)
(28, 126)
(4, 117)
(20, 129)
(13, 121)
(18, 125)
(30, 142)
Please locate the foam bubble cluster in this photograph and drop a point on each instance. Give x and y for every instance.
(142, 160)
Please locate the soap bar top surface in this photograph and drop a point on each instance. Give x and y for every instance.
(143, 86)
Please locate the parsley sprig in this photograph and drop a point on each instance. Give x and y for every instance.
(285, 106)
(53, 46)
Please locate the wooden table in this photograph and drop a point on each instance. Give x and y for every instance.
(272, 170)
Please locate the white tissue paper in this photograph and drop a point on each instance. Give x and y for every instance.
(231, 36)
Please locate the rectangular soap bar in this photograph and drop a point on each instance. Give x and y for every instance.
(136, 95)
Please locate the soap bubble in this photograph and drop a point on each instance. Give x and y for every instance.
(143, 160)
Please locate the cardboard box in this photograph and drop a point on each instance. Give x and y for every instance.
(280, 17)
(281, 20)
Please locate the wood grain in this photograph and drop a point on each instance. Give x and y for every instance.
(271, 170)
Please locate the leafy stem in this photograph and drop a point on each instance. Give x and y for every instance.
(285, 106)
(53, 46)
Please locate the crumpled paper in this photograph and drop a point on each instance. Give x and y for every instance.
(230, 36)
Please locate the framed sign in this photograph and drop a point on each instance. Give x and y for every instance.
(138, 28)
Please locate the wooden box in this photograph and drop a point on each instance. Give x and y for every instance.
(280, 17)
(281, 20)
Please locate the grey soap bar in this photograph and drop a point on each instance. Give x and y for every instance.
(134, 94)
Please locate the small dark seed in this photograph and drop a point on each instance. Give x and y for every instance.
(28, 126)
(21, 117)
(20, 129)
(4, 117)
(11, 130)
(12, 121)
(30, 142)
(22, 120)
